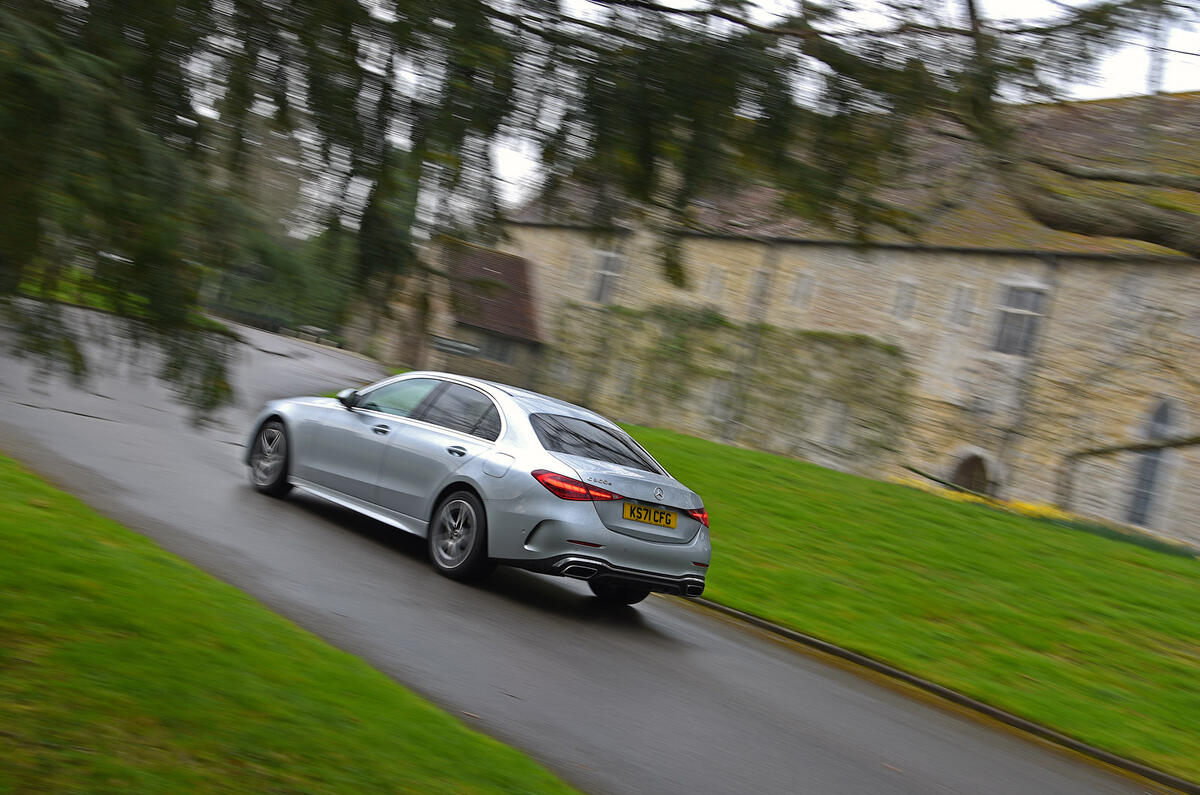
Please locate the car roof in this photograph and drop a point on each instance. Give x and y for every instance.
(529, 401)
(537, 403)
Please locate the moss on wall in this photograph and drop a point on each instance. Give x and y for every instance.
(839, 399)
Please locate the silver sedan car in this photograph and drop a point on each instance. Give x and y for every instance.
(492, 474)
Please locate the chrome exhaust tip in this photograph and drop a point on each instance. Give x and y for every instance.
(579, 572)
(692, 589)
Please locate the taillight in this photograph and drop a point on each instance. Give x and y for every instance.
(700, 515)
(566, 488)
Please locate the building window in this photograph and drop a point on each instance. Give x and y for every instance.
(561, 370)
(624, 377)
(498, 349)
(962, 306)
(906, 299)
(608, 268)
(720, 401)
(802, 290)
(838, 427)
(1128, 296)
(758, 295)
(1148, 469)
(714, 286)
(577, 267)
(1019, 317)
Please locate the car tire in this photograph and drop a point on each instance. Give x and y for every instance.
(616, 594)
(458, 538)
(270, 459)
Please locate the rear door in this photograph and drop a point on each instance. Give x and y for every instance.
(459, 423)
(350, 444)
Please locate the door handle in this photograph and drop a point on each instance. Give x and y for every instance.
(380, 429)
(457, 450)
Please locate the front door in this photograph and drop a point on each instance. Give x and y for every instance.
(460, 423)
(350, 445)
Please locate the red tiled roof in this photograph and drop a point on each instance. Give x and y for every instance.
(490, 290)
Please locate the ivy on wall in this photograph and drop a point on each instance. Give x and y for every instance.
(839, 399)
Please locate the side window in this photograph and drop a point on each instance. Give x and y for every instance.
(488, 426)
(400, 397)
(461, 408)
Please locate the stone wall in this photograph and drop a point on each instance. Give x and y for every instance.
(1121, 340)
(1114, 338)
(522, 360)
(837, 399)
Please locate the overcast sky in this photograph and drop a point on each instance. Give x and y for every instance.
(1124, 73)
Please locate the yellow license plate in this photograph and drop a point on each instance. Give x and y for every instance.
(648, 515)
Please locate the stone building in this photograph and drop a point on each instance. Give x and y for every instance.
(993, 353)
(487, 324)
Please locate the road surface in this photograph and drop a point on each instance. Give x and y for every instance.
(661, 698)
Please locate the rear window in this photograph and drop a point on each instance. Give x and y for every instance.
(574, 436)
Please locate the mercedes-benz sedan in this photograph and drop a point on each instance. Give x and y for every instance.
(492, 474)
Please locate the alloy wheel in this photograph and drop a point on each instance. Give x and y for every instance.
(454, 535)
(270, 451)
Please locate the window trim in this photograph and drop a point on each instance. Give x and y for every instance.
(968, 310)
(488, 348)
(760, 292)
(605, 276)
(809, 281)
(437, 393)
(837, 435)
(419, 413)
(417, 409)
(615, 431)
(1003, 310)
(906, 288)
(1144, 506)
(715, 277)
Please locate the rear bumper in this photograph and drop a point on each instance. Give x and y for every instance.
(584, 567)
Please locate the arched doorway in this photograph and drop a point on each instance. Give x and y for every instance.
(1148, 467)
(971, 473)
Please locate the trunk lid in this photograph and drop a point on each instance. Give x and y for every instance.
(642, 489)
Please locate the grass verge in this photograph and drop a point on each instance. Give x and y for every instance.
(125, 669)
(1093, 636)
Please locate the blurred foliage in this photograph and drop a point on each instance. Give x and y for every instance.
(291, 283)
(159, 155)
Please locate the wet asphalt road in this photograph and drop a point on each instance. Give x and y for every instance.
(660, 698)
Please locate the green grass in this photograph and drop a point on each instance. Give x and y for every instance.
(125, 669)
(75, 287)
(1094, 636)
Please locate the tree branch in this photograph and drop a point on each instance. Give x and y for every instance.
(814, 43)
(1186, 182)
(803, 32)
(1095, 217)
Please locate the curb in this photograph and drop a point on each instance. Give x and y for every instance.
(954, 697)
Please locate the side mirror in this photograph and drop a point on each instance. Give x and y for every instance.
(348, 398)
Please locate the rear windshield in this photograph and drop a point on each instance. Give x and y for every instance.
(574, 436)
